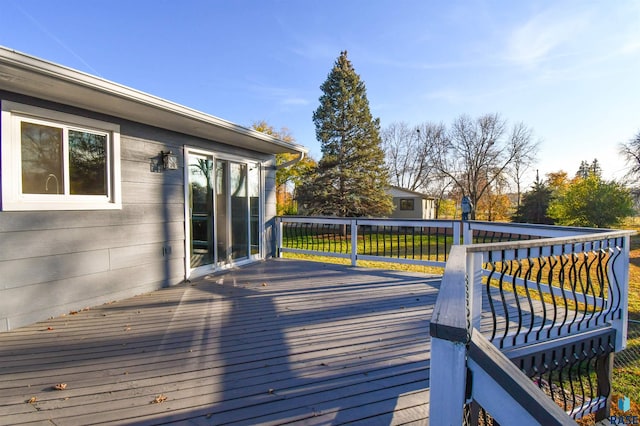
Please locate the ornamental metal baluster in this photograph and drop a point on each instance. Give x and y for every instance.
(505, 307)
(573, 281)
(526, 280)
(494, 315)
(514, 284)
(553, 262)
(562, 281)
(617, 298)
(592, 259)
(541, 265)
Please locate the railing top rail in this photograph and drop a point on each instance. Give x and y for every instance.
(315, 219)
(369, 220)
(449, 321)
(535, 228)
(442, 223)
(547, 242)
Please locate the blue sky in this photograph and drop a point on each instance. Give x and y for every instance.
(570, 70)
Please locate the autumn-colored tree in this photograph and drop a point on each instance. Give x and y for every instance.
(287, 178)
(557, 181)
(591, 202)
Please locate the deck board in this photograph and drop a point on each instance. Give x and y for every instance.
(276, 342)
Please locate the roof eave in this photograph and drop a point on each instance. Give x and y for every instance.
(35, 77)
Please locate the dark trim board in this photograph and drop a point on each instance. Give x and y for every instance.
(274, 342)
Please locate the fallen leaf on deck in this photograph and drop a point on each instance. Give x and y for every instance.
(73, 313)
(264, 284)
(32, 400)
(49, 328)
(159, 399)
(60, 386)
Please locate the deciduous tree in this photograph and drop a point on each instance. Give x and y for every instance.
(478, 151)
(287, 178)
(409, 150)
(591, 202)
(630, 151)
(525, 149)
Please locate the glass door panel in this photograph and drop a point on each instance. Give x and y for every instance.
(239, 211)
(254, 208)
(201, 209)
(222, 216)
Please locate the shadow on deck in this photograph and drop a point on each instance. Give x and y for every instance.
(277, 342)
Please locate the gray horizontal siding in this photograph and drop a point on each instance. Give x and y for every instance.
(36, 244)
(125, 257)
(21, 273)
(53, 262)
(131, 214)
(29, 304)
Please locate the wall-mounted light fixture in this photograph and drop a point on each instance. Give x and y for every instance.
(169, 160)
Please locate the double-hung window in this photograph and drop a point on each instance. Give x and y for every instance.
(58, 161)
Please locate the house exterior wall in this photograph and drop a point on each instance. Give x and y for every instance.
(416, 213)
(53, 262)
(423, 208)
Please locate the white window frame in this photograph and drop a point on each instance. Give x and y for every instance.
(11, 172)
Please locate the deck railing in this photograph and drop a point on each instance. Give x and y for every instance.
(419, 242)
(556, 308)
(527, 319)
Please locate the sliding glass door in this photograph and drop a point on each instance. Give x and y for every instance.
(224, 210)
(200, 204)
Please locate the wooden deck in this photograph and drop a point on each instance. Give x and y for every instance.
(277, 342)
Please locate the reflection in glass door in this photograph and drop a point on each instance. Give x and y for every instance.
(200, 205)
(239, 211)
(254, 208)
(224, 210)
(222, 194)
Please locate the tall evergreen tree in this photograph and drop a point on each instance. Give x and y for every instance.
(535, 203)
(351, 177)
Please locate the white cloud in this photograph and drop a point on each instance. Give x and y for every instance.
(451, 96)
(545, 35)
(294, 101)
(282, 95)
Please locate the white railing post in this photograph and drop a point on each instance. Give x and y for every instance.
(450, 331)
(456, 232)
(467, 233)
(447, 382)
(279, 237)
(474, 278)
(354, 242)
